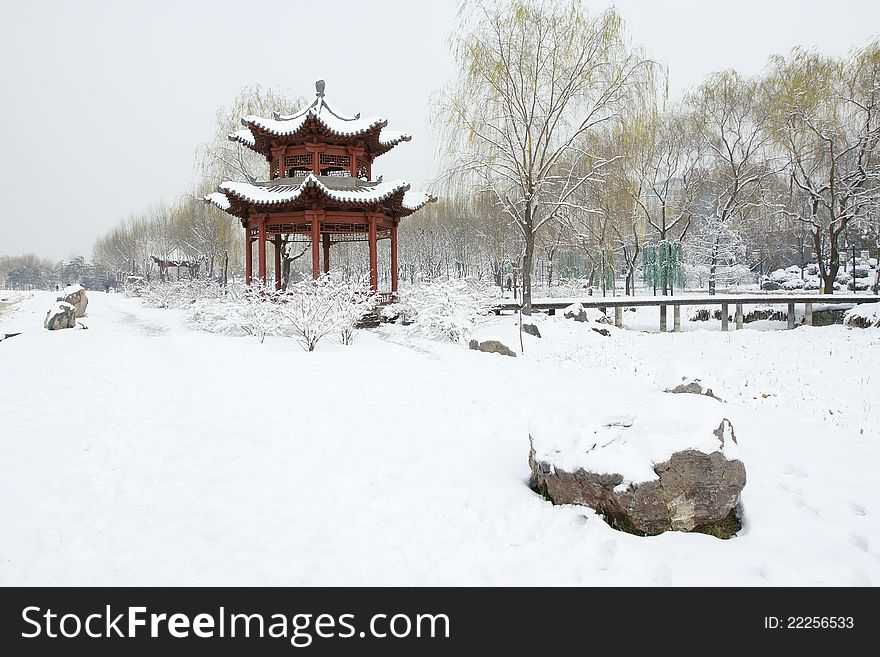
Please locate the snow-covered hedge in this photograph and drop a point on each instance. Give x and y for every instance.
(448, 310)
(790, 278)
(308, 310)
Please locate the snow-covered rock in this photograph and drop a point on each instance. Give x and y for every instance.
(669, 465)
(76, 296)
(580, 314)
(767, 312)
(830, 314)
(61, 316)
(576, 312)
(864, 316)
(692, 386)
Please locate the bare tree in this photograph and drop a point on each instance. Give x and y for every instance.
(827, 121)
(733, 125)
(665, 166)
(223, 159)
(535, 80)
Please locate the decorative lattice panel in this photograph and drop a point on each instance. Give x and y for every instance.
(298, 160)
(335, 160)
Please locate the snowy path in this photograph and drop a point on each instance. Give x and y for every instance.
(140, 452)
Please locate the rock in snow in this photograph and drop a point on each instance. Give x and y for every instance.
(580, 314)
(576, 312)
(531, 329)
(864, 316)
(61, 316)
(667, 468)
(76, 296)
(492, 347)
(693, 387)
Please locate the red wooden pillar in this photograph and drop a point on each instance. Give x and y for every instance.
(394, 256)
(248, 255)
(278, 262)
(316, 246)
(374, 273)
(352, 162)
(261, 245)
(326, 239)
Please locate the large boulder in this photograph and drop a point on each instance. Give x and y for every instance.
(672, 468)
(61, 316)
(492, 347)
(76, 296)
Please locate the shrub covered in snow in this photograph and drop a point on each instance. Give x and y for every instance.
(310, 308)
(565, 287)
(307, 310)
(448, 310)
(790, 279)
(178, 294)
(352, 302)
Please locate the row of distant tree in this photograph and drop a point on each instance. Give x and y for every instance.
(29, 272)
(566, 158)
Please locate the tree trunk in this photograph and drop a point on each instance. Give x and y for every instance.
(285, 269)
(528, 256)
(827, 272)
(713, 266)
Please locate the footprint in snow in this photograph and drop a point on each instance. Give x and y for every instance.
(801, 504)
(859, 541)
(795, 471)
(858, 509)
(662, 576)
(605, 554)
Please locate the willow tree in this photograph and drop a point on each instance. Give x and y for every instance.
(224, 159)
(535, 80)
(732, 121)
(827, 121)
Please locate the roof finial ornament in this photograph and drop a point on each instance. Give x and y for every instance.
(315, 108)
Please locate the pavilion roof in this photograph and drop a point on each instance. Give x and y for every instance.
(394, 196)
(318, 118)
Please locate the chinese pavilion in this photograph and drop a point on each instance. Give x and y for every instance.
(319, 187)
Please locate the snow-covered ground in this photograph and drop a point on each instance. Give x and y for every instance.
(142, 452)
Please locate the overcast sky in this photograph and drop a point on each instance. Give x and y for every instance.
(104, 103)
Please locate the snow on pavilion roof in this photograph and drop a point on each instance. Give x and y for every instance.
(321, 117)
(233, 196)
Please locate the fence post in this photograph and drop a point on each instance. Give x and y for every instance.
(663, 319)
(724, 311)
(791, 315)
(739, 316)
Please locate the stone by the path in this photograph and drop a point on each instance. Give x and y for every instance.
(491, 347)
(76, 296)
(61, 316)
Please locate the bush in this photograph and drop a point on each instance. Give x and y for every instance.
(448, 310)
(308, 310)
